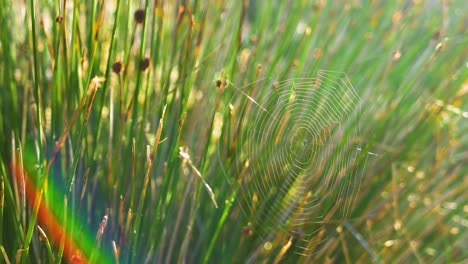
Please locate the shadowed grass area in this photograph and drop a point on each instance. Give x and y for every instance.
(205, 131)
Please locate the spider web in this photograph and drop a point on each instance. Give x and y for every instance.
(301, 140)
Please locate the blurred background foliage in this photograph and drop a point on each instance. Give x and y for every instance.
(117, 114)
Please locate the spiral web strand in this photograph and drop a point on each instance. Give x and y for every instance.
(301, 138)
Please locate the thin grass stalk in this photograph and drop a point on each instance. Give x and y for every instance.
(38, 97)
(2, 206)
(61, 246)
(43, 236)
(150, 159)
(4, 254)
(224, 215)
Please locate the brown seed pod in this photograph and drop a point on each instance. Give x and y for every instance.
(145, 64)
(117, 67)
(221, 84)
(139, 16)
(247, 231)
(437, 34)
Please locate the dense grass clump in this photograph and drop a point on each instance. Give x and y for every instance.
(233, 131)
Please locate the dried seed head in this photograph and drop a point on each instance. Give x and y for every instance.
(117, 67)
(396, 55)
(317, 53)
(440, 46)
(397, 17)
(139, 16)
(145, 64)
(59, 19)
(275, 86)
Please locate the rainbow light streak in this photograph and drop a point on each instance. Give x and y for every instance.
(78, 243)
